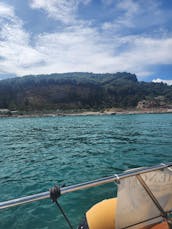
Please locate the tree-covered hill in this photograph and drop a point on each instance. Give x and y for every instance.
(80, 91)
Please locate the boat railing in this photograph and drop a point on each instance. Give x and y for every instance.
(81, 186)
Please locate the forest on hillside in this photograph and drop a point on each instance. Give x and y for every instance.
(80, 91)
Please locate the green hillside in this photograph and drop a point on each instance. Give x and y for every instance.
(80, 91)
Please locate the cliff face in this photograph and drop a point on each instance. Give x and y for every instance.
(79, 91)
(151, 103)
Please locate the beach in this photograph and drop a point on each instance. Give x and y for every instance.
(108, 111)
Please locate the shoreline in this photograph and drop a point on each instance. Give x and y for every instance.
(112, 111)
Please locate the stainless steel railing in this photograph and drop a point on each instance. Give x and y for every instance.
(89, 184)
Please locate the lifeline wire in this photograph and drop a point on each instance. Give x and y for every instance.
(55, 193)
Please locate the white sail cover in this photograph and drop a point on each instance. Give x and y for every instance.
(135, 208)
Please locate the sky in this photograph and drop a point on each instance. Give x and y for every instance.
(100, 36)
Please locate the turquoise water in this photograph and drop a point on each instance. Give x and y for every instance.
(36, 153)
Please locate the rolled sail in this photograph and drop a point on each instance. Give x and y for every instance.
(144, 199)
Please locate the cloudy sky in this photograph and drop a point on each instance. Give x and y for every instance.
(47, 36)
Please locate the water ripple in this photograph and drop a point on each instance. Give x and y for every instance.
(36, 153)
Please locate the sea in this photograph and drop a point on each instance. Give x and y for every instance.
(37, 153)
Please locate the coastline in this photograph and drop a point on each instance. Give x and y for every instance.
(122, 112)
(111, 111)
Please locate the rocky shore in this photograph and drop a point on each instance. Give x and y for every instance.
(109, 111)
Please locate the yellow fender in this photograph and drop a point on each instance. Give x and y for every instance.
(102, 216)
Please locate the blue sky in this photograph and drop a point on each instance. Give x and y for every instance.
(47, 36)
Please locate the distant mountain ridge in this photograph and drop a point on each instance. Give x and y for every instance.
(79, 90)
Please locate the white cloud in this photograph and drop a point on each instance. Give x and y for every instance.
(84, 49)
(130, 14)
(143, 74)
(158, 80)
(143, 52)
(15, 51)
(130, 9)
(78, 47)
(6, 10)
(62, 10)
(75, 49)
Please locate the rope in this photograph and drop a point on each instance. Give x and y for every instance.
(55, 193)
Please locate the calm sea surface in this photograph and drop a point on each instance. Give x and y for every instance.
(36, 153)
